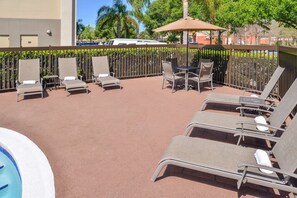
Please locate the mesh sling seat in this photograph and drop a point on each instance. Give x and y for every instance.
(101, 73)
(68, 75)
(205, 74)
(29, 82)
(228, 99)
(174, 63)
(236, 162)
(170, 76)
(234, 124)
(202, 60)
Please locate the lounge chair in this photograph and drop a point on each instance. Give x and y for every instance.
(29, 82)
(101, 73)
(236, 162)
(68, 75)
(235, 124)
(205, 74)
(170, 76)
(228, 99)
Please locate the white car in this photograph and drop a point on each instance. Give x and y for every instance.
(124, 41)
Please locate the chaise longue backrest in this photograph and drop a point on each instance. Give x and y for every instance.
(285, 107)
(285, 149)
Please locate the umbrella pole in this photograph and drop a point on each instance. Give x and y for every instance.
(187, 47)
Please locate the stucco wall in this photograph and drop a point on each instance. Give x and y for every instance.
(31, 9)
(17, 27)
(35, 17)
(68, 22)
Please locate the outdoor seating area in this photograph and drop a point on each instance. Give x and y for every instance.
(108, 142)
(173, 74)
(30, 83)
(236, 162)
(92, 152)
(148, 99)
(235, 100)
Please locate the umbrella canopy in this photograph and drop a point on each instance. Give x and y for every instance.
(187, 24)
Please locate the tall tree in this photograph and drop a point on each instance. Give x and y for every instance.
(185, 14)
(286, 13)
(79, 27)
(88, 33)
(210, 8)
(162, 12)
(139, 7)
(116, 15)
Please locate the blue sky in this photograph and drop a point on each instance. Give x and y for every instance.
(87, 10)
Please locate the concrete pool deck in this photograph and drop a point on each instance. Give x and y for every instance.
(108, 143)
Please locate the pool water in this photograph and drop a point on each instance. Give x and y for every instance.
(10, 180)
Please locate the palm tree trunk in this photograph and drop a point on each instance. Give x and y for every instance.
(185, 14)
(119, 27)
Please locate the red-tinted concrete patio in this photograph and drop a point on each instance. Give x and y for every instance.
(108, 143)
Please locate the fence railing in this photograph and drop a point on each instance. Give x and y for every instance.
(288, 59)
(125, 62)
(237, 66)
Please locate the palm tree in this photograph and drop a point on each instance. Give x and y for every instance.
(116, 15)
(138, 6)
(79, 27)
(211, 6)
(185, 14)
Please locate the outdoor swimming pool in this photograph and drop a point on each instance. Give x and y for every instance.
(10, 180)
(26, 169)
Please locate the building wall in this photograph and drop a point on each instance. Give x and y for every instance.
(53, 21)
(15, 28)
(68, 22)
(30, 9)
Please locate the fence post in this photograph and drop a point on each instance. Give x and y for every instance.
(229, 66)
(49, 58)
(146, 61)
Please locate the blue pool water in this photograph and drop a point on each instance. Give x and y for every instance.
(10, 180)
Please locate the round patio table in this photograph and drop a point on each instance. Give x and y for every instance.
(186, 70)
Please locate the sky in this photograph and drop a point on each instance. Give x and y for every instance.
(87, 10)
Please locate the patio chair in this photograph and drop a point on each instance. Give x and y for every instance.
(68, 75)
(29, 82)
(235, 124)
(228, 99)
(205, 74)
(101, 73)
(202, 60)
(237, 162)
(174, 64)
(170, 76)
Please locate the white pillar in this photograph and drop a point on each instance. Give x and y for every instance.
(68, 22)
